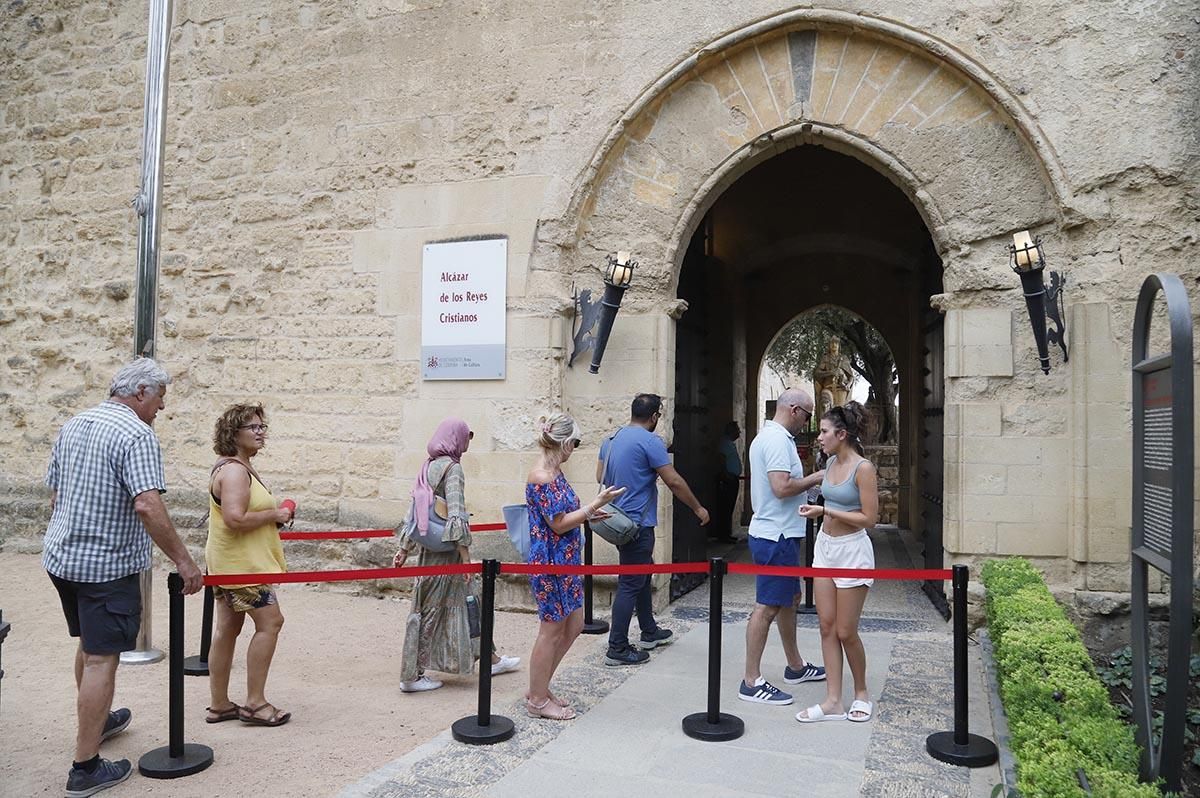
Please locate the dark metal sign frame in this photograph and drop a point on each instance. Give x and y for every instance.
(1163, 470)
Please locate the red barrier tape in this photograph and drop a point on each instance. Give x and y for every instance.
(842, 573)
(598, 570)
(347, 535)
(342, 576)
(488, 527)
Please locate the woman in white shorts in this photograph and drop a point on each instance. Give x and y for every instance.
(851, 492)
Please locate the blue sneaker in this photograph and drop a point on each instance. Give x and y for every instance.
(81, 784)
(763, 692)
(652, 640)
(808, 673)
(118, 721)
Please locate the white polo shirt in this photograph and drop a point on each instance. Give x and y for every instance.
(774, 449)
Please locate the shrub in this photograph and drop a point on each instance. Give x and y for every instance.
(1061, 721)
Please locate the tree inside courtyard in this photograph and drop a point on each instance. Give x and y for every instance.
(800, 345)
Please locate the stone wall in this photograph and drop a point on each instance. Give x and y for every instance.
(313, 147)
(887, 466)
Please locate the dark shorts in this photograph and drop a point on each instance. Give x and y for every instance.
(105, 616)
(776, 591)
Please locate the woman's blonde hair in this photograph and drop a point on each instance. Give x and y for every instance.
(555, 429)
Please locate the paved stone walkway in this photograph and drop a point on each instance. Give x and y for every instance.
(628, 737)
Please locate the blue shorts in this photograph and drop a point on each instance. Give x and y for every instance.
(776, 591)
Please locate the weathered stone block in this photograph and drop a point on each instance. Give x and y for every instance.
(1038, 539)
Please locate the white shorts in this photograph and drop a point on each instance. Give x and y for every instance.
(845, 551)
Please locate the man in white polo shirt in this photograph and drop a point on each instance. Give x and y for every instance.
(777, 489)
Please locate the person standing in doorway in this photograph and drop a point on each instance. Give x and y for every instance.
(851, 491)
(729, 481)
(636, 458)
(778, 488)
(106, 474)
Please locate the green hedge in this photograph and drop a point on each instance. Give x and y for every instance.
(1059, 715)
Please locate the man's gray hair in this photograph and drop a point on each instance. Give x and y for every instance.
(141, 373)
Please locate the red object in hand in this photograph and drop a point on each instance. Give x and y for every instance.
(290, 506)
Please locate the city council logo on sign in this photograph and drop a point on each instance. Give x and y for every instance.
(463, 296)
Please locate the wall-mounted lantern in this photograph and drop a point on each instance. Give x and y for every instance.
(1029, 262)
(618, 274)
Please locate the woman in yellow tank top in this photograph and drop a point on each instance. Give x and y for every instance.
(243, 538)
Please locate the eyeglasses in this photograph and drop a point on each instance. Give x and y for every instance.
(576, 442)
(254, 427)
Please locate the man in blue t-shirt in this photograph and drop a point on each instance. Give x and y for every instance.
(777, 489)
(636, 458)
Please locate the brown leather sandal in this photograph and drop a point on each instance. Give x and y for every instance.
(549, 710)
(249, 715)
(221, 715)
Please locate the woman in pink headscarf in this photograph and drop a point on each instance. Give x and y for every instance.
(438, 635)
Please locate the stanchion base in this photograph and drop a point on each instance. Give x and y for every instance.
(467, 730)
(159, 764)
(802, 610)
(595, 627)
(147, 657)
(727, 727)
(978, 752)
(194, 666)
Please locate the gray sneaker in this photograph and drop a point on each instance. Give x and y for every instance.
(625, 656)
(652, 640)
(81, 784)
(117, 722)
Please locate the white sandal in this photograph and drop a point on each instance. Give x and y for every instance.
(864, 708)
(815, 714)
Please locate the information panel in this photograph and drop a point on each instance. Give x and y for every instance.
(1162, 523)
(463, 297)
(1157, 442)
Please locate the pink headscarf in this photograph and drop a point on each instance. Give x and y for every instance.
(450, 439)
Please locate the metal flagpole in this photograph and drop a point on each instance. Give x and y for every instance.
(147, 203)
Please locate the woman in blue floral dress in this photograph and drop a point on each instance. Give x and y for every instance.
(555, 516)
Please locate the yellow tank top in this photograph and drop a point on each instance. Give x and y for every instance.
(258, 551)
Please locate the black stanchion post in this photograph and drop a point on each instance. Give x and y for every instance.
(484, 728)
(177, 758)
(960, 747)
(590, 625)
(714, 725)
(198, 665)
(810, 531)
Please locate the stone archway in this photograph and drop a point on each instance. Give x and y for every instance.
(934, 122)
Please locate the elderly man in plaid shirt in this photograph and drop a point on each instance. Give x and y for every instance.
(106, 475)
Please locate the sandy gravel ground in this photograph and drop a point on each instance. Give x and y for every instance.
(335, 669)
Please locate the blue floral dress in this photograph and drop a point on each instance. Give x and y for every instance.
(556, 596)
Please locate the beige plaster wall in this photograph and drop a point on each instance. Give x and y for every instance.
(312, 147)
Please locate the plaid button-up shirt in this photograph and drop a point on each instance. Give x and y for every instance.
(102, 459)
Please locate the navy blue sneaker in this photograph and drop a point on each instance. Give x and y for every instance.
(81, 784)
(807, 673)
(118, 721)
(652, 640)
(763, 692)
(625, 656)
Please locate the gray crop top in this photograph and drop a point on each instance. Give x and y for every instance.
(843, 496)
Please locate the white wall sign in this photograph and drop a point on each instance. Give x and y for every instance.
(463, 297)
